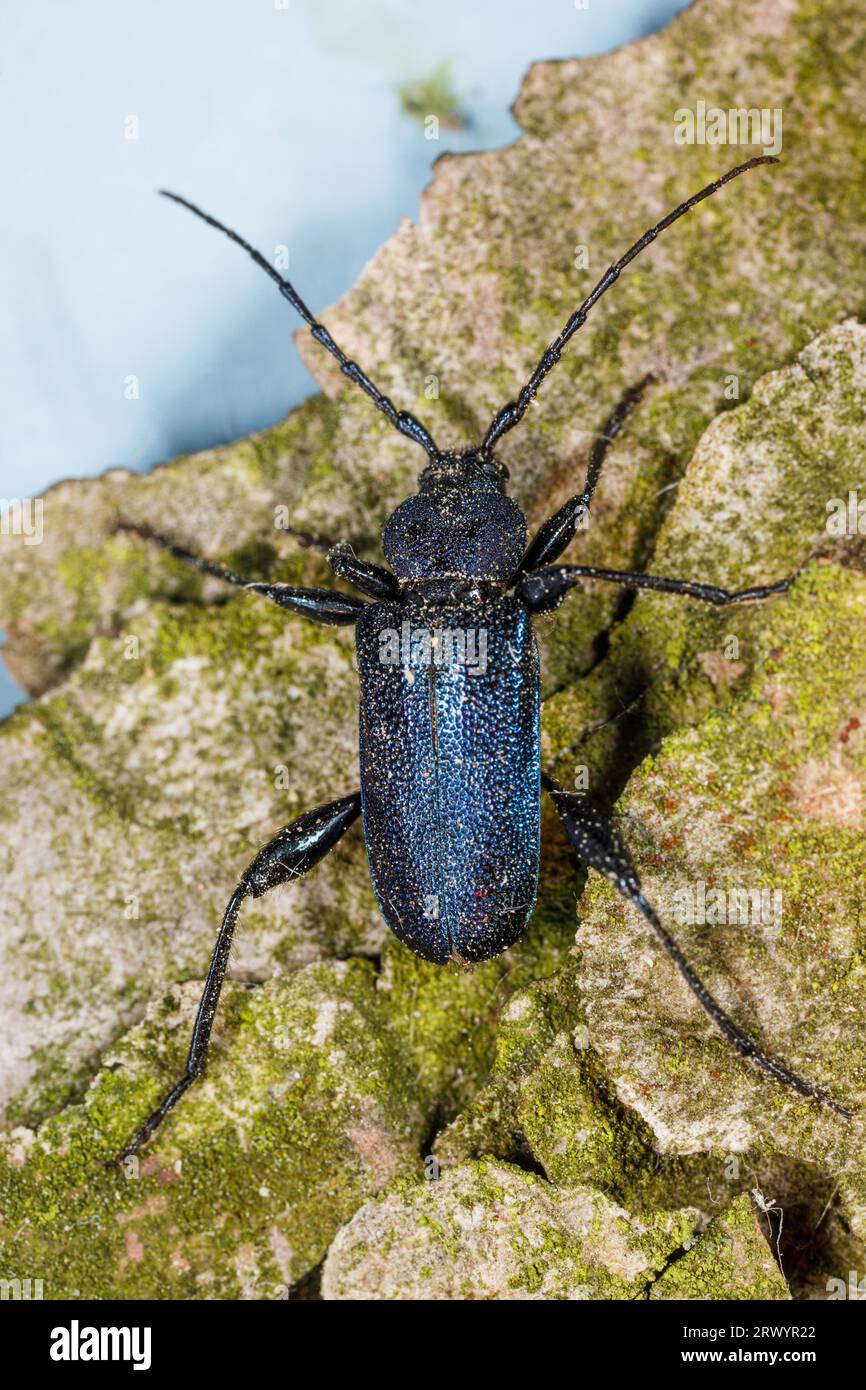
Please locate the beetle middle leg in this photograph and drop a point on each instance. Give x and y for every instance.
(597, 844)
(373, 580)
(545, 589)
(289, 855)
(321, 605)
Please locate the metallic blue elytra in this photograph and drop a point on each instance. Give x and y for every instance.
(450, 768)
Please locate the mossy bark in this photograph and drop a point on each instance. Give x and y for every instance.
(177, 726)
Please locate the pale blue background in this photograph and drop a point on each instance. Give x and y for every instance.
(279, 116)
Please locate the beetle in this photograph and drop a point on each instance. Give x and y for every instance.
(450, 774)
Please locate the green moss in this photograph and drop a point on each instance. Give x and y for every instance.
(743, 799)
(447, 1019)
(731, 1260)
(433, 95)
(575, 1128)
(486, 1228)
(307, 1107)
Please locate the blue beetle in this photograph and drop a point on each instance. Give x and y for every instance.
(450, 774)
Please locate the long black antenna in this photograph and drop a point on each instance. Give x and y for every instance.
(400, 419)
(511, 414)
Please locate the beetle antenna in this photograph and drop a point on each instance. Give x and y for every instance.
(511, 414)
(400, 419)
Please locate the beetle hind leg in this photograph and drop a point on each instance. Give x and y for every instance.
(289, 855)
(597, 844)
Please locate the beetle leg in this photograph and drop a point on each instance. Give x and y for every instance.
(597, 844)
(288, 856)
(546, 588)
(322, 605)
(373, 580)
(555, 534)
(311, 540)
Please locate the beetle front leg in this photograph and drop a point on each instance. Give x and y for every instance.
(321, 605)
(557, 533)
(373, 580)
(545, 589)
(597, 844)
(289, 855)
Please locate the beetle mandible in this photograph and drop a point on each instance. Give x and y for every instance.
(450, 775)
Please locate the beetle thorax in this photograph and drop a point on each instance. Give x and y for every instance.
(459, 525)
